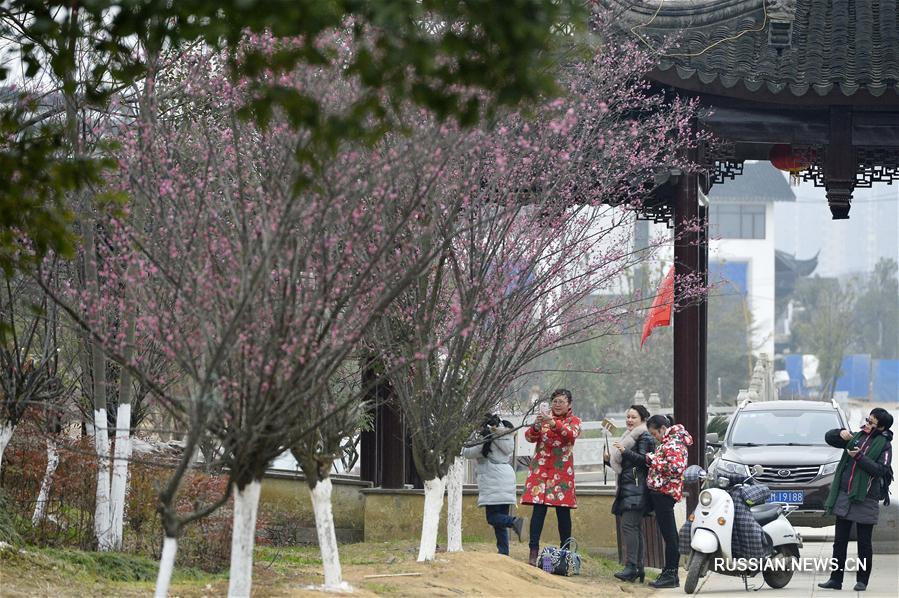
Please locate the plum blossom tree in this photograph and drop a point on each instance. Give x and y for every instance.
(350, 250)
(61, 110)
(254, 275)
(540, 241)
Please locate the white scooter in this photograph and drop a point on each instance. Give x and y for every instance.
(712, 525)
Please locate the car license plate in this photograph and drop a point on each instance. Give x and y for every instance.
(796, 497)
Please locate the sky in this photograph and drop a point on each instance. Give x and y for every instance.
(847, 246)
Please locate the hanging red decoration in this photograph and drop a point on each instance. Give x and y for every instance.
(784, 157)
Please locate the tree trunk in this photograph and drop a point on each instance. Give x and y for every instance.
(120, 470)
(122, 455)
(327, 536)
(243, 536)
(454, 505)
(102, 523)
(6, 431)
(166, 566)
(431, 519)
(40, 508)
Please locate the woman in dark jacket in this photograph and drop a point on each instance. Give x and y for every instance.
(628, 459)
(858, 487)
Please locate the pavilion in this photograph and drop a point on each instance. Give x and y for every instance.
(812, 85)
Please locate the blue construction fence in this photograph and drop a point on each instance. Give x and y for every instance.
(861, 378)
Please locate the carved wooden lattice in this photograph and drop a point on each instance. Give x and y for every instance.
(877, 165)
(726, 169)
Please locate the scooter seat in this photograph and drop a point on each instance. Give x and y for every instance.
(765, 514)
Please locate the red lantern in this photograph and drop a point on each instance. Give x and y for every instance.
(784, 157)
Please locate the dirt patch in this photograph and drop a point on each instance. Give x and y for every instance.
(483, 574)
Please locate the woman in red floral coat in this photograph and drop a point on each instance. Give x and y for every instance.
(551, 478)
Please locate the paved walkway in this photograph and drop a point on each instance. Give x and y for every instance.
(883, 583)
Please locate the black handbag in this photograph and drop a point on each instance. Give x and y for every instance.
(561, 561)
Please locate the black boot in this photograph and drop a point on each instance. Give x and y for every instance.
(629, 573)
(517, 524)
(641, 573)
(666, 579)
(860, 586)
(831, 584)
(532, 557)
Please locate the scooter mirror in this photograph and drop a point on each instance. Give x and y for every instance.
(757, 470)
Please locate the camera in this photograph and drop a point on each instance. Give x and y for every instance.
(491, 422)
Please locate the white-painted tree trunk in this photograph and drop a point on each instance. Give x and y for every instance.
(102, 523)
(166, 567)
(327, 536)
(40, 508)
(119, 486)
(6, 431)
(243, 537)
(431, 518)
(454, 505)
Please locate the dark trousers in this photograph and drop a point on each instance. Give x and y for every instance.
(563, 514)
(865, 549)
(632, 536)
(663, 505)
(498, 516)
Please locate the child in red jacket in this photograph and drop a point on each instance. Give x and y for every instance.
(665, 481)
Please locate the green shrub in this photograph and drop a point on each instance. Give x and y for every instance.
(114, 566)
(8, 531)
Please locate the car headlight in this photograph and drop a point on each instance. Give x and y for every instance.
(828, 468)
(705, 498)
(732, 467)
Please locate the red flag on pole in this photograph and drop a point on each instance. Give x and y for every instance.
(660, 312)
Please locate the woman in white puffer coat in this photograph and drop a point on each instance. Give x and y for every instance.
(496, 478)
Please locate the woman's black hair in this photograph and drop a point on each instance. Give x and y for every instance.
(561, 392)
(492, 420)
(642, 411)
(884, 419)
(657, 421)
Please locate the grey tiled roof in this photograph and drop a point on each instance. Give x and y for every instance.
(834, 48)
(789, 262)
(759, 183)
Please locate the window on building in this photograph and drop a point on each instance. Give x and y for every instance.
(737, 221)
(734, 275)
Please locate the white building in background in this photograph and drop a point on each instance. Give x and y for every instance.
(741, 249)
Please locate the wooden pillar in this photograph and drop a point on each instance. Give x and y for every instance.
(840, 163)
(393, 446)
(368, 441)
(689, 329)
(382, 459)
(703, 335)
